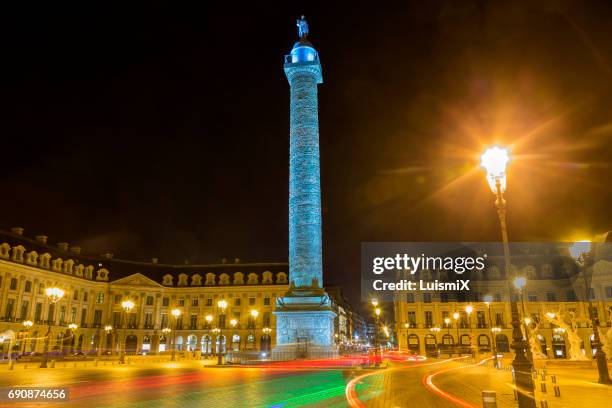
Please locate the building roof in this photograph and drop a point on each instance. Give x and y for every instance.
(120, 268)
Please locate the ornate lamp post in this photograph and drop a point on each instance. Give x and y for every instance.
(495, 160)
(447, 321)
(107, 329)
(377, 347)
(127, 306)
(435, 331)
(456, 316)
(469, 309)
(487, 300)
(209, 320)
(583, 255)
(27, 324)
(166, 331)
(54, 295)
(519, 283)
(176, 313)
(221, 305)
(73, 327)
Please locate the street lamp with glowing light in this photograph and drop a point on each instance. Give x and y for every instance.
(54, 295)
(127, 306)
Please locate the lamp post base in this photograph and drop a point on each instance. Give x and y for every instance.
(602, 368)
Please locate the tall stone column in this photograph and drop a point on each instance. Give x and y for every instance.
(304, 318)
(303, 71)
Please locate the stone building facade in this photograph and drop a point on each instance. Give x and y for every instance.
(554, 302)
(95, 287)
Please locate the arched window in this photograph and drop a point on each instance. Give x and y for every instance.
(250, 342)
(465, 340)
(220, 344)
(430, 343)
(484, 343)
(192, 342)
(235, 342)
(146, 344)
(503, 346)
(413, 342)
(206, 344)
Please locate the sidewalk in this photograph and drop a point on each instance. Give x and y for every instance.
(578, 387)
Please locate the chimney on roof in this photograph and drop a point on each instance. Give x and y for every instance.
(42, 239)
(75, 250)
(63, 246)
(108, 255)
(224, 260)
(17, 230)
(236, 260)
(154, 260)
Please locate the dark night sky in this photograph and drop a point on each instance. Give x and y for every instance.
(161, 130)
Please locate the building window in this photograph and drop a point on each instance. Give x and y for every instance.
(193, 323)
(498, 297)
(571, 295)
(550, 297)
(181, 302)
(62, 315)
(117, 299)
(51, 313)
(99, 297)
(75, 295)
(267, 301)
(412, 319)
(132, 320)
(165, 301)
(463, 321)
(532, 297)
(410, 297)
(609, 291)
(266, 319)
(38, 312)
(13, 284)
(97, 318)
(150, 300)
(444, 317)
(85, 296)
(209, 302)
(164, 320)
(426, 297)
(24, 309)
(480, 320)
(148, 320)
(116, 319)
(428, 319)
(84, 317)
(237, 301)
(28, 286)
(194, 302)
(499, 319)
(41, 288)
(251, 322)
(251, 301)
(10, 305)
(73, 315)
